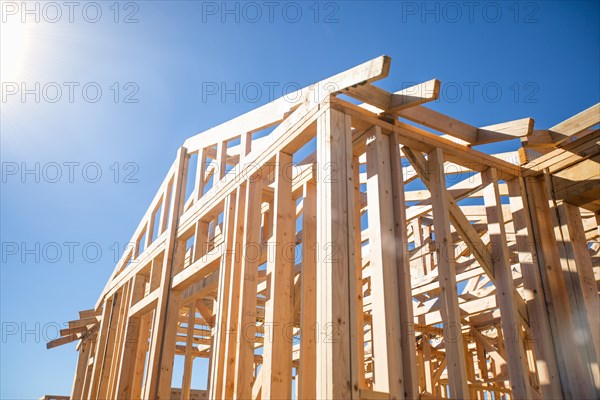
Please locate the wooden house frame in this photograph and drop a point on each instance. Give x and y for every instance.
(299, 263)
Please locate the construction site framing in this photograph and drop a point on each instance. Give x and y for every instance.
(347, 242)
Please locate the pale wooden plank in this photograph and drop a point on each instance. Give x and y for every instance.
(336, 349)
(80, 371)
(505, 289)
(186, 382)
(576, 124)
(219, 341)
(505, 131)
(140, 362)
(440, 122)
(308, 319)
(247, 310)
(573, 374)
(277, 362)
(101, 346)
(358, 272)
(131, 336)
(383, 101)
(446, 265)
(547, 367)
(387, 364)
(168, 345)
(234, 293)
(408, 342)
(585, 273)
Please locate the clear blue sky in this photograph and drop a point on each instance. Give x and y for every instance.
(543, 56)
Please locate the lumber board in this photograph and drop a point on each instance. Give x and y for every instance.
(247, 309)
(277, 365)
(336, 372)
(575, 125)
(505, 290)
(572, 372)
(547, 365)
(449, 297)
(218, 359)
(407, 334)
(384, 280)
(384, 102)
(308, 350)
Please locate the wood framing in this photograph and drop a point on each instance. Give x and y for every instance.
(328, 249)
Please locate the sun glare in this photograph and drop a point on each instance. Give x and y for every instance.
(13, 46)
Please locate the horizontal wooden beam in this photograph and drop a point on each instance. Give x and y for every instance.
(565, 156)
(62, 340)
(576, 124)
(505, 131)
(441, 123)
(144, 305)
(421, 140)
(200, 269)
(381, 101)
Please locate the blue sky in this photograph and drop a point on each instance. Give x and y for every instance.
(521, 59)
